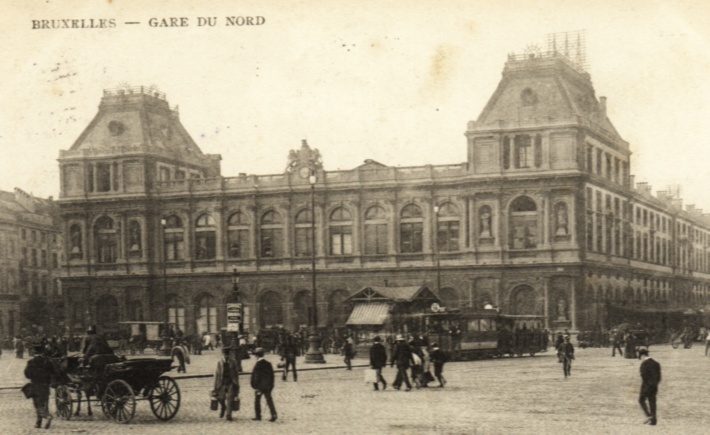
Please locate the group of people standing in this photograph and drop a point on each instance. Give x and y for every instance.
(411, 358)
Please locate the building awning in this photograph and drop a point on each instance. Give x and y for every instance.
(369, 313)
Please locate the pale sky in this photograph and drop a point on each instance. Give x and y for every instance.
(396, 83)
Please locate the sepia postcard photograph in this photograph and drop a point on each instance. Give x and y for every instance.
(354, 217)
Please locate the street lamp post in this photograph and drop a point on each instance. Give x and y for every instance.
(165, 349)
(436, 250)
(235, 318)
(314, 354)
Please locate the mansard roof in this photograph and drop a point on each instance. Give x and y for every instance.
(133, 118)
(545, 89)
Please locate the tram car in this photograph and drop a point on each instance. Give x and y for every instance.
(479, 334)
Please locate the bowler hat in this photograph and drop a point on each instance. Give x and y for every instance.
(91, 329)
(259, 351)
(38, 348)
(377, 339)
(643, 352)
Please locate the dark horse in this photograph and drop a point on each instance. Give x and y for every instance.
(83, 379)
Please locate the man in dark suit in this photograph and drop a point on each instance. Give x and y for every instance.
(651, 377)
(39, 371)
(378, 360)
(226, 383)
(262, 381)
(565, 353)
(401, 357)
(289, 351)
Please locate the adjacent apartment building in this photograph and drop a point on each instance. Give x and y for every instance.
(542, 218)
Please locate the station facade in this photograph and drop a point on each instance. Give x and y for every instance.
(542, 218)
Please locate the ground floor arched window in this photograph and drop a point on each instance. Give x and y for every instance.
(206, 319)
(270, 310)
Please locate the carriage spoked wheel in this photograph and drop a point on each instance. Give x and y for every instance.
(119, 401)
(164, 398)
(63, 402)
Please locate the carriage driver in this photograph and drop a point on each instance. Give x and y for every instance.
(96, 344)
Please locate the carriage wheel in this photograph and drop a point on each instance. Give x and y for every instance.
(165, 398)
(63, 402)
(119, 401)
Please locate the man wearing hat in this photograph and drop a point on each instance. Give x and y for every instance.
(401, 356)
(262, 381)
(650, 377)
(226, 383)
(378, 360)
(39, 371)
(96, 344)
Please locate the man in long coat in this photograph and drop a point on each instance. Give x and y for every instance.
(378, 360)
(262, 381)
(650, 377)
(226, 383)
(401, 357)
(39, 371)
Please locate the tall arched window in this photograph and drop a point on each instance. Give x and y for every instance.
(523, 223)
(106, 239)
(341, 232)
(238, 236)
(338, 310)
(410, 229)
(75, 242)
(107, 313)
(271, 235)
(134, 239)
(205, 238)
(206, 318)
(375, 231)
(270, 310)
(447, 228)
(524, 300)
(174, 238)
(304, 233)
(176, 312)
(302, 309)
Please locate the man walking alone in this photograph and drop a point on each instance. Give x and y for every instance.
(262, 381)
(650, 377)
(565, 353)
(378, 360)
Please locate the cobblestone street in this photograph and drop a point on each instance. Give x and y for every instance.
(510, 395)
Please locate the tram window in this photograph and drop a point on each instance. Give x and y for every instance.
(485, 325)
(493, 325)
(473, 325)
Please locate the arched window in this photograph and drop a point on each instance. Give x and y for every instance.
(341, 232)
(304, 233)
(523, 223)
(176, 312)
(410, 229)
(205, 238)
(338, 310)
(107, 313)
(206, 318)
(134, 239)
(270, 310)
(375, 231)
(106, 239)
(449, 297)
(271, 235)
(136, 310)
(447, 228)
(302, 310)
(75, 242)
(524, 300)
(238, 236)
(174, 238)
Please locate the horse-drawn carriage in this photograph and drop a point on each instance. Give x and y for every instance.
(117, 383)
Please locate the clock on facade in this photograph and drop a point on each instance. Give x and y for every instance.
(304, 172)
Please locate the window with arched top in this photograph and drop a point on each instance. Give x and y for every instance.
(205, 237)
(206, 318)
(302, 310)
(173, 238)
(340, 226)
(375, 231)
(176, 312)
(237, 236)
(270, 310)
(447, 228)
(304, 233)
(523, 223)
(410, 229)
(106, 240)
(338, 310)
(271, 235)
(134, 239)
